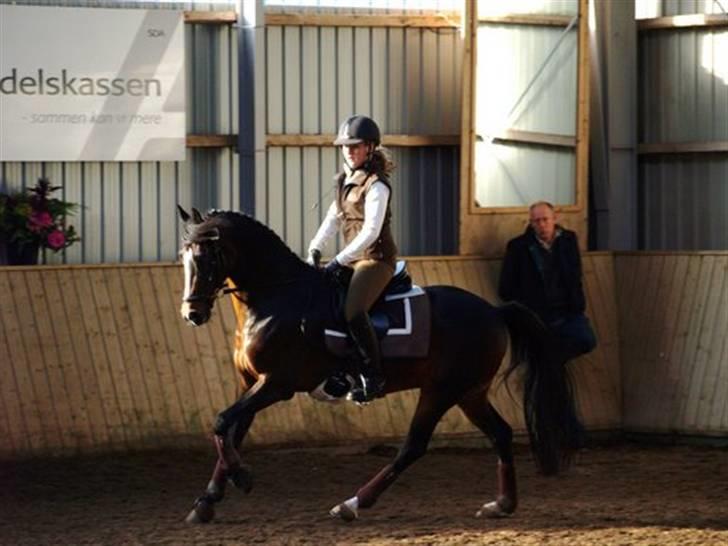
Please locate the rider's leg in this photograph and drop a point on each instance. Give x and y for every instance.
(367, 283)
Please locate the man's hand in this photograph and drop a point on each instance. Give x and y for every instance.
(314, 258)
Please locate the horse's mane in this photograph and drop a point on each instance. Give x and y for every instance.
(259, 238)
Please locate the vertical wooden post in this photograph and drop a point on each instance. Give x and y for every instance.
(582, 115)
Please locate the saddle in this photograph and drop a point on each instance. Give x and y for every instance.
(401, 320)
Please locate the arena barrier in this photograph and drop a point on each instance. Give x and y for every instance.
(97, 358)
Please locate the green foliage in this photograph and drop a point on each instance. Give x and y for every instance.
(35, 217)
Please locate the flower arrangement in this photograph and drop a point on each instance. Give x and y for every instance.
(35, 219)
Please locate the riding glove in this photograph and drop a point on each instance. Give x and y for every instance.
(314, 258)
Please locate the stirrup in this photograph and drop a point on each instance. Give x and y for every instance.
(367, 389)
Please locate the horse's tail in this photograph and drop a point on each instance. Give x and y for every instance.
(554, 429)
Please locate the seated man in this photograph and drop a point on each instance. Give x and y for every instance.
(542, 270)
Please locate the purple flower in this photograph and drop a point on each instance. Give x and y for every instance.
(56, 239)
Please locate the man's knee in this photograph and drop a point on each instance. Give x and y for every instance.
(578, 336)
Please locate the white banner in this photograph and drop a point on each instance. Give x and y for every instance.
(80, 84)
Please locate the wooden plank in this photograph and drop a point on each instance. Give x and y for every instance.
(209, 368)
(70, 386)
(38, 402)
(224, 362)
(84, 361)
(648, 321)
(14, 385)
(327, 140)
(440, 20)
(210, 17)
(531, 137)
(719, 414)
(197, 404)
(211, 141)
(155, 363)
(128, 402)
(695, 20)
(119, 434)
(582, 113)
(649, 364)
(584, 380)
(655, 148)
(669, 365)
(632, 326)
(608, 334)
(142, 378)
(691, 370)
(527, 19)
(711, 347)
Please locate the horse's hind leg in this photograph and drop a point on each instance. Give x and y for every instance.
(484, 416)
(430, 409)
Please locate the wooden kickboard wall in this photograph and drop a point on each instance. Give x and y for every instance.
(673, 320)
(97, 358)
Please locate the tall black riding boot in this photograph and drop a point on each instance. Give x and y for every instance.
(369, 359)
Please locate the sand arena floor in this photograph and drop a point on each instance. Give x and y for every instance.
(619, 495)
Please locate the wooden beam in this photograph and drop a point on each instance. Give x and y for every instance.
(387, 140)
(211, 17)
(582, 117)
(442, 20)
(653, 148)
(696, 20)
(526, 19)
(530, 137)
(212, 141)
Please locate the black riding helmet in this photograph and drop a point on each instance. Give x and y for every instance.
(356, 129)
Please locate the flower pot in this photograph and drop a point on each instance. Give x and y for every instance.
(12, 253)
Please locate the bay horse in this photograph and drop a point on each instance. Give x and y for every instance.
(229, 252)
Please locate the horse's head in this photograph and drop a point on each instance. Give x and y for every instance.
(203, 257)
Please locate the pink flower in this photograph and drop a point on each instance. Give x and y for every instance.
(56, 239)
(40, 220)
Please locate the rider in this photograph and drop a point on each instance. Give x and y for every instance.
(361, 210)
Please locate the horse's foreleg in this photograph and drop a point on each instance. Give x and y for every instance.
(430, 410)
(230, 428)
(484, 416)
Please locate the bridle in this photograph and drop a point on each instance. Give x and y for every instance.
(222, 291)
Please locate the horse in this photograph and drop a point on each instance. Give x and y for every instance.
(228, 252)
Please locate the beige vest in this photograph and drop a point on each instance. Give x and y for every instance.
(350, 201)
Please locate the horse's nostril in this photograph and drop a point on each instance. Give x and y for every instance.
(195, 318)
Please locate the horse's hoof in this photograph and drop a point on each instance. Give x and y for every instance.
(493, 510)
(203, 512)
(347, 510)
(242, 479)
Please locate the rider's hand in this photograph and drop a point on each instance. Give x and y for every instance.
(314, 258)
(332, 267)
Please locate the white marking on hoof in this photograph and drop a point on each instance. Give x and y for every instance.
(492, 510)
(347, 510)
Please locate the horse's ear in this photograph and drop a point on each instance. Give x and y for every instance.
(183, 214)
(197, 216)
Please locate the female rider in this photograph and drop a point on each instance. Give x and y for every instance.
(361, 211)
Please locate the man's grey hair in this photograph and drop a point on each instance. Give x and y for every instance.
(539, 203)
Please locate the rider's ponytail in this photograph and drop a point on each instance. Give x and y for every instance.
(380, 162)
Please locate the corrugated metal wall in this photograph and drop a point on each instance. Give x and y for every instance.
(128, 210)
(665, 8)
(683, 97)
(406, 79)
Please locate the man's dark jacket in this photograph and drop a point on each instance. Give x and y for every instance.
(522, 281)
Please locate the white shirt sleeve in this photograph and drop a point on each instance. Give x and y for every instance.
(328, 228)
(375, 211)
